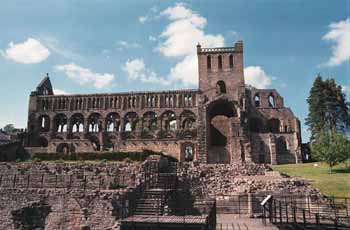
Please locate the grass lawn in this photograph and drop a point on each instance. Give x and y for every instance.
(335, 184)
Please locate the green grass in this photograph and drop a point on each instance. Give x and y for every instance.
(335, 184)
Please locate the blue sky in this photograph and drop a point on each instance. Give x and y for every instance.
(112, 46)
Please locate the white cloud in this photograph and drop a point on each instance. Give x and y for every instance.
(127, 45)
(179, 40)
(186, 71)
(28, 52)
(339, 34)
(149, 16)
(85, 76)
(55, 45)
(256, 76)
(60, 92)
(136, 70)
(142, 19)
(152, 38)
(346, 89)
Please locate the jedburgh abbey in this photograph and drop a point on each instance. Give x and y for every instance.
(223, 121)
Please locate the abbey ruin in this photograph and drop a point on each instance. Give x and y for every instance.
(223, 121)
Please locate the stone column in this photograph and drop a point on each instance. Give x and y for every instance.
(202, 132)
(250, 204)
(273, 152)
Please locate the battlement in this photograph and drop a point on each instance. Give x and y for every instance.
(238, 47)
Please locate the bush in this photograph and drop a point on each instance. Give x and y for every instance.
(103, 156)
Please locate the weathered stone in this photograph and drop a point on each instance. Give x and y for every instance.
(222, 121)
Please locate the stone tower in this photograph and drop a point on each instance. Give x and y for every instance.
(221, 81)
(221, 70)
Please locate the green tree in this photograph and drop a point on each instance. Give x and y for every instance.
(328, 109)
(331, 147)
(9, 128)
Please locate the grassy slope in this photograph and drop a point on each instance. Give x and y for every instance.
(336, 184)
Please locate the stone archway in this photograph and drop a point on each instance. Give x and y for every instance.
(219, 115)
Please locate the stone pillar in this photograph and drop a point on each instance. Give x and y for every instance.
(273, 152)
(202, 132)
(86, 125)
(250, 204)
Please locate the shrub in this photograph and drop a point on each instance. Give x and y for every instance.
(103, 156)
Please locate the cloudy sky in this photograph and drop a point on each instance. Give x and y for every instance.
(113, 46)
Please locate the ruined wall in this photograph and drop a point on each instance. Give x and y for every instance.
(64, 196)
(107, 122)
(178, 122)
(224, 180)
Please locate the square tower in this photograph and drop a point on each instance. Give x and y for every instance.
(221, 71)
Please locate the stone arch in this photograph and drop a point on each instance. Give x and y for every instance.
(271, 100)
(131, 119)
(274, 125)
(60, 123)
(188, 120)
(219, 115)
(149, 121)
(63, 148)
(113, 122)
(256, 125)
(168, 121)
(257, 100)
(281, 145)
(220, 87)
(94, 123)
(44, 123)
(77, 123)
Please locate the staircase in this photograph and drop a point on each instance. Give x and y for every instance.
(160, 185)
(151, 203)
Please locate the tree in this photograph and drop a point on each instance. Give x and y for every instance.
(328, 109)
(331, 147)
(9, 128)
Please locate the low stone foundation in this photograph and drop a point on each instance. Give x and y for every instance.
(88, 196)
(240, 178)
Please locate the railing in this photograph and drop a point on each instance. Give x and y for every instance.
(201, 216)
(65, 181)
(330, 212)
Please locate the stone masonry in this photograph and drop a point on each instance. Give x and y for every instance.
(222, 121)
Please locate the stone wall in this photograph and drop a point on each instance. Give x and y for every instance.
(93, 196)
(222, 180)
(65, 196)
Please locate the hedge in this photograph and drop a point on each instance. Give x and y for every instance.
(109, 156)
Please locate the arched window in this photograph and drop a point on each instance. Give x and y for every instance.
(94, 123)
(257, 100)
(271, 101)
(231, 61)
(128, 127)
(189, 153)
(208, 62)
(220, 87)
(281, 145)
(77, 122)
(219, 62)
